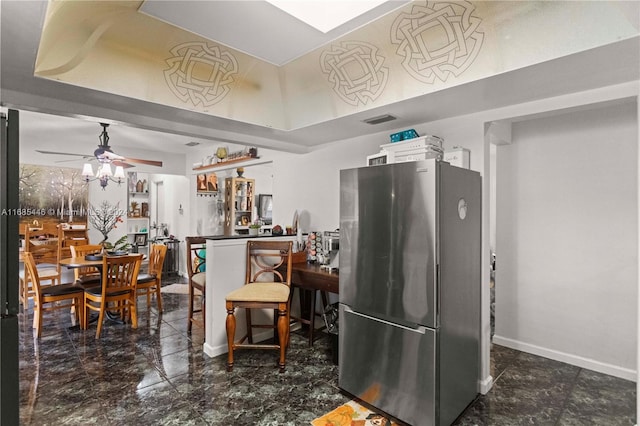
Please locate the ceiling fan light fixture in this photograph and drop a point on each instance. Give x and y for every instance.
(87, 171)
(104, 174)
(105, 171)
(119, 174)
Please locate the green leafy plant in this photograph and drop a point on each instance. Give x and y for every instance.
(121, 245)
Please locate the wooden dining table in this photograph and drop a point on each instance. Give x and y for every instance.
(79, 262)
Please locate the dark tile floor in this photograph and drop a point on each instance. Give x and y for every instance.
(158, 375)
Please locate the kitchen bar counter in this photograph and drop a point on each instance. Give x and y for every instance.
(226, 260)
(242, 237)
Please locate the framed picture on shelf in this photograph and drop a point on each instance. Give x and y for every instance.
(201, 182)
(207, 183)
(244, 220)
(212, 182)
(140, 240)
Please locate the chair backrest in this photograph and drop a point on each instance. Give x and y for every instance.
(269, 261)
(157, 254)
(82, 251)
(120, 274)
(196, 255)
(42, 245)
(31, 273)
(68, 238)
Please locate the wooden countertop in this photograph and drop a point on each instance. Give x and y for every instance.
(311, 276)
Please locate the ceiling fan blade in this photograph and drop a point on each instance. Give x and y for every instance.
(64, 153)
(121, 163)
(75, 160)
(106, 156)
(146, 162)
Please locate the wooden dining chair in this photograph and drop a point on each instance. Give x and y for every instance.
(118, 290)
(46, 254)
(196, 271)
(68, 238)
(267, 286)
(86, 276)
(150, 283)
(51, 295)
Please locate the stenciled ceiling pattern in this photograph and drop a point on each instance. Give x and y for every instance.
(420, 48)
(355, 68)
(200, 73)
(462, 39)
(356, 71)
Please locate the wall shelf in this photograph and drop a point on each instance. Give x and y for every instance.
(232, 164)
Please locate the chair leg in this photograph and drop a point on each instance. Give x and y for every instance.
(231, 333)
(39, 327)
(283, 335)
(100, 320)
(312, 317)
(249, 326)
(159, 297)
(131, 305)
(190, 314)
(84, 313)
(80, 312)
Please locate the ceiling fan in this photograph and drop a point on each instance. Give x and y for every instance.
(104, 155)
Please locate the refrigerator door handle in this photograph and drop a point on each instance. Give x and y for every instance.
(419, 329)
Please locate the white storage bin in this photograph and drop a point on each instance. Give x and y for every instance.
(458, 157)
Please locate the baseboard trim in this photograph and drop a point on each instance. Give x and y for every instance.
(484, 386)
(589, 364)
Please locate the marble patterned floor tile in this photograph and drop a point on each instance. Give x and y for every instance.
(600, 399)
(532, 390)
(501, 358)
(158, 374)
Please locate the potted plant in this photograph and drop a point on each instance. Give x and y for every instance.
(254, 228)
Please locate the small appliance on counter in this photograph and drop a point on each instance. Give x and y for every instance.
(322, 248)
(330, 247)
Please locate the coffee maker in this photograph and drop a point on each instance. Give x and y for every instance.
(330, 248)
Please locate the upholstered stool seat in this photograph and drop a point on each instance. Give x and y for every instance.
(199, 280)
(262, 291)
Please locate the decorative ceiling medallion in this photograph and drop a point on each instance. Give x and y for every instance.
(438, 39)
(356, 70)
(200, 73)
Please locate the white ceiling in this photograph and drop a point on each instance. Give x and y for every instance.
(257, 28)
(138, 122)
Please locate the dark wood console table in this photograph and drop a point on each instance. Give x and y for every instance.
(311, 277)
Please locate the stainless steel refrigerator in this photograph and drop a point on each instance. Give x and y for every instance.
(409, 318)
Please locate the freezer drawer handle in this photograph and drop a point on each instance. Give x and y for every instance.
(419, 329)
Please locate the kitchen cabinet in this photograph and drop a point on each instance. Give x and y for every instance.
(238, 205)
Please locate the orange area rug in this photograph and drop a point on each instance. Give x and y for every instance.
(352, 414)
